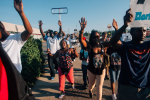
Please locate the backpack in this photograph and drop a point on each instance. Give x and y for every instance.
(82, 54)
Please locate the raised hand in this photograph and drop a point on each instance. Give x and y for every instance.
(128, 18)
(83, 24)
(40, 23)
(114, 24)
(18, 6)
(59, 23)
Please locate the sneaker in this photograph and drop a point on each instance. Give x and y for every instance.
(106, 77)
(114, 97)
(90, 94)
(72, 85)
(62, 94)
(52, 78)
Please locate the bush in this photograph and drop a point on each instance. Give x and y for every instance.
(32, 60)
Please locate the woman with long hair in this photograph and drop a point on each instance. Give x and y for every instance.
(65, 67)
(95, 69)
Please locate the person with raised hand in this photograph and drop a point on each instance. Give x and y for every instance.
(115, 65)
(134, 81)
(12, 44)
(95, 68)
(65, 67)
(60, 35)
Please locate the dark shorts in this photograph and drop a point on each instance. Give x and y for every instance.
(128, 92)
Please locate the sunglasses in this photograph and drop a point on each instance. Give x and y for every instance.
(96, 37)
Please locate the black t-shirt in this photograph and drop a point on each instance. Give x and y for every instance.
(115, 59)
(92, 62)
(135, 64)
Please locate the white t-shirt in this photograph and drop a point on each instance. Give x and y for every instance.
(58, 42)
(51, 44)
(12, 45)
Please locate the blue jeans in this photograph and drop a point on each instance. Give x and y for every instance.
(84, 71)
(114, 75)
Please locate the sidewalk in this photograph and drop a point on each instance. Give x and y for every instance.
(46, 89)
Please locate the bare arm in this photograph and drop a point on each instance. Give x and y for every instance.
(76, 36)
(83, 25)
(28, 29)
(60, 28)
(115, 40)
(115, 25)
(41, 30)
(63, 33)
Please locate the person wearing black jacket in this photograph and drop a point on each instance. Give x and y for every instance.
(17, 87)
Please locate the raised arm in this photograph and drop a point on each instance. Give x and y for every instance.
(115, 40)
(41, 30)
(60, 28)
(115, 25)
(76, 36)
(63, 33)
(83, 25)
(28, 29)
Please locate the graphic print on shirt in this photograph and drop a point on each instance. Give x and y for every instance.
(98, 60)
(115, 59)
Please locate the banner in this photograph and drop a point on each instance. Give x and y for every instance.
(141, 13)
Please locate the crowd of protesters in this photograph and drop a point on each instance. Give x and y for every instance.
(125, 61)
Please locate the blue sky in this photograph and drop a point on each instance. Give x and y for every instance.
(98, 13)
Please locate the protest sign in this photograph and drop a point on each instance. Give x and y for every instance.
(141, 13)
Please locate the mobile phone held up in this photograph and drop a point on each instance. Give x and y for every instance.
(18, 1)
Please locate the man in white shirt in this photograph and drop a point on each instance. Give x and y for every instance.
(12, 44)
(53, 46)
(73, 40)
